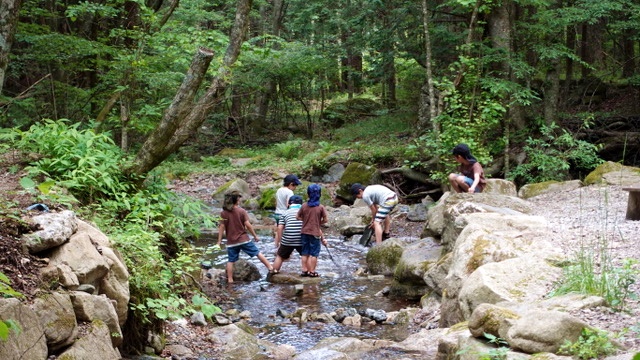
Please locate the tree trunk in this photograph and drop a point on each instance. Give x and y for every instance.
(183, 118)
(428, 88)
(263, 99)
(8, 18)
(552, 93)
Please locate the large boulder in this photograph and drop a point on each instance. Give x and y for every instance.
(237, 344)
(531, 190)
(238, 185)
(543, 331)
(522, 279)
(30, 341)
(83, 257)
(612, 173)
(90, 308)
(116, 285)
(56, 228)
(416, 259)
(450, 206)
(357, 173)
(500, 186)
(57, 317)
(491, 237)
(94, 344)
(382, 259)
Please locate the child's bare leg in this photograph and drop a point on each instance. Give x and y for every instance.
(229, 272)
(303, 264)
(312, 262)
(377, 228)
(277, 263)
(265, 262)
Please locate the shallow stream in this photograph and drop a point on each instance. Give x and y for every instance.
(339, 288)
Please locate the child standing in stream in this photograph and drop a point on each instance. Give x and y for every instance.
(313, 215)
(235, 222)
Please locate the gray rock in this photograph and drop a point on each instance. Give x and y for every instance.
(56, 229)
(30, 342)
(198, 319)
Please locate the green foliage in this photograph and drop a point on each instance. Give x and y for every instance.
(6, 291)
(6, 326)
(47, 191)
(611, 282)
(86, 163)
(552, 155)
(205, 306)
(339, 113)
(291, 149)
(592, 344)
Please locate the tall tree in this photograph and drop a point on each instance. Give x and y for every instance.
(182, 119)
(8, 18)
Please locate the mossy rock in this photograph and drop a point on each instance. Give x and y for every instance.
(357, 173)
(229, 152)
(613, 174)
(531, 190)
(232, 185)
(267, 198)
(383, 259)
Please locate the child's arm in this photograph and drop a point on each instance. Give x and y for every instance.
(476, 181)
(220, 233)
(251, 230)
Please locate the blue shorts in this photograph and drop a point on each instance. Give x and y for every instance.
(469, 181)
(249, 248)
(310, 245)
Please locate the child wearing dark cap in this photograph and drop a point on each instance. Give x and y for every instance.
(381, 201)
(282, 198)
(471, 177)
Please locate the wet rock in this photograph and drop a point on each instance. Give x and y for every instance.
(198, 319)
(377, 315)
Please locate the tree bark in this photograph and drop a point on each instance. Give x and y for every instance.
(8, 19)
(182, 119)
(263, 99)
(147, 157)
(424, 117)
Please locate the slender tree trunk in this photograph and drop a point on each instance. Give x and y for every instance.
(424, 117)
(571, 45)
(183, 116)
(263, 99)
(8, 19)
(628, 52)
(124, 122)
(552, 93)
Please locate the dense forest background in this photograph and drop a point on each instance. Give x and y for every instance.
(110, 99)
(494, 74)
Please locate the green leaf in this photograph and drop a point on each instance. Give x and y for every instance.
(46, 186)
(27, 183)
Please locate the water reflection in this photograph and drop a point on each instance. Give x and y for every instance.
(339, 288)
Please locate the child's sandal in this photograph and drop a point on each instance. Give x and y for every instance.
(314, 274)
(304, 274)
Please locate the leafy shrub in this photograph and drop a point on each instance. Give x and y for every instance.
(88, 164)
(339, 113)
(552, 155)
(592, 344)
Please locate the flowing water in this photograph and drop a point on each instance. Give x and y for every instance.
(339, 288)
